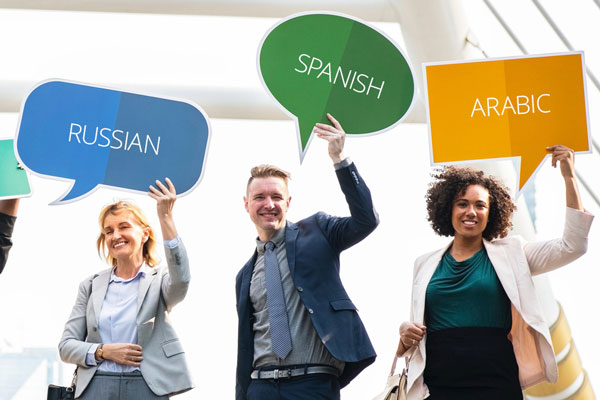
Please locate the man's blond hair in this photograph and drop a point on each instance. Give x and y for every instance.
(267, 171)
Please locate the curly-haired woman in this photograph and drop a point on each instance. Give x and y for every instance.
(476, 330)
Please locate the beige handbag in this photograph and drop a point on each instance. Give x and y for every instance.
(395, 389)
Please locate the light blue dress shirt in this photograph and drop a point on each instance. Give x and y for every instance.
(117, 323)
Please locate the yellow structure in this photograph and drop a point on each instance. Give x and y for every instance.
(573, 383)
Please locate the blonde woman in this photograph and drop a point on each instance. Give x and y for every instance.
(119, 334)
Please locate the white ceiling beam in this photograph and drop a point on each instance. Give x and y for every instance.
(433, 30)
(371, 10)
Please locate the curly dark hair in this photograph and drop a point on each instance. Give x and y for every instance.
(451, 182)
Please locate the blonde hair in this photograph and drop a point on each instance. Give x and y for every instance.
(267, 171)
(149, 247)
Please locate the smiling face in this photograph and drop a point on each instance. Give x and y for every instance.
(267, 202)
(124, 236)
(470, 212)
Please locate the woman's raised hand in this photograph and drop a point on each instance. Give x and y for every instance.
(165, 197)
(566, 157)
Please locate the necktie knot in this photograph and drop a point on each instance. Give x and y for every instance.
(269, 246)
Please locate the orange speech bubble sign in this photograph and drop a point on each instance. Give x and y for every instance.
(511, 107)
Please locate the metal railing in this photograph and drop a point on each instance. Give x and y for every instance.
(568, 45)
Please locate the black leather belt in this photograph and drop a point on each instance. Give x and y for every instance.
(286, 373)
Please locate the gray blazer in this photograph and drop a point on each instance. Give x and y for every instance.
(164, 367)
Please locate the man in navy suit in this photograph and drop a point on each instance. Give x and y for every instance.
(299, 334)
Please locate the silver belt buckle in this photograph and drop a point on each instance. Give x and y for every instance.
(282, 374)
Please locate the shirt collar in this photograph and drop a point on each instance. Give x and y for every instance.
(278, 239)
(143, 271)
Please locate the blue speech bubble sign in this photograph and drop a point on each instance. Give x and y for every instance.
(103, 137)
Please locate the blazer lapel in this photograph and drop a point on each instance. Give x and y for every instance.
(99, 287)
(291, 234)
(502, 263)
(145, 281)
(245, 282)
(423, 279)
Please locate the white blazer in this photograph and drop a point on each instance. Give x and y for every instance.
(164, 367)
(515, 261)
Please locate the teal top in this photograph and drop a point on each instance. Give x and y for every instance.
(466, 293)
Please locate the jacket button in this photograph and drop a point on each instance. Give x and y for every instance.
(310, 311)
(300, 289)
(95, 329)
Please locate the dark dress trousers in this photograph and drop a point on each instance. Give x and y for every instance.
(313, 247)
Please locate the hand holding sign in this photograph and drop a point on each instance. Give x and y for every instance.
(317, 63)
(507, 108)
(97, 136)
(165, 196)
(564, 156)
(335, 136)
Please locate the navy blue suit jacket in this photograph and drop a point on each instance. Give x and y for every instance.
(313, 247)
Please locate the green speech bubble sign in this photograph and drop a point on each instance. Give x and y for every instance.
(319, 63)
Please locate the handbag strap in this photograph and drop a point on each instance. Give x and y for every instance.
(393, 370)
(394, 365)
(74, 377)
